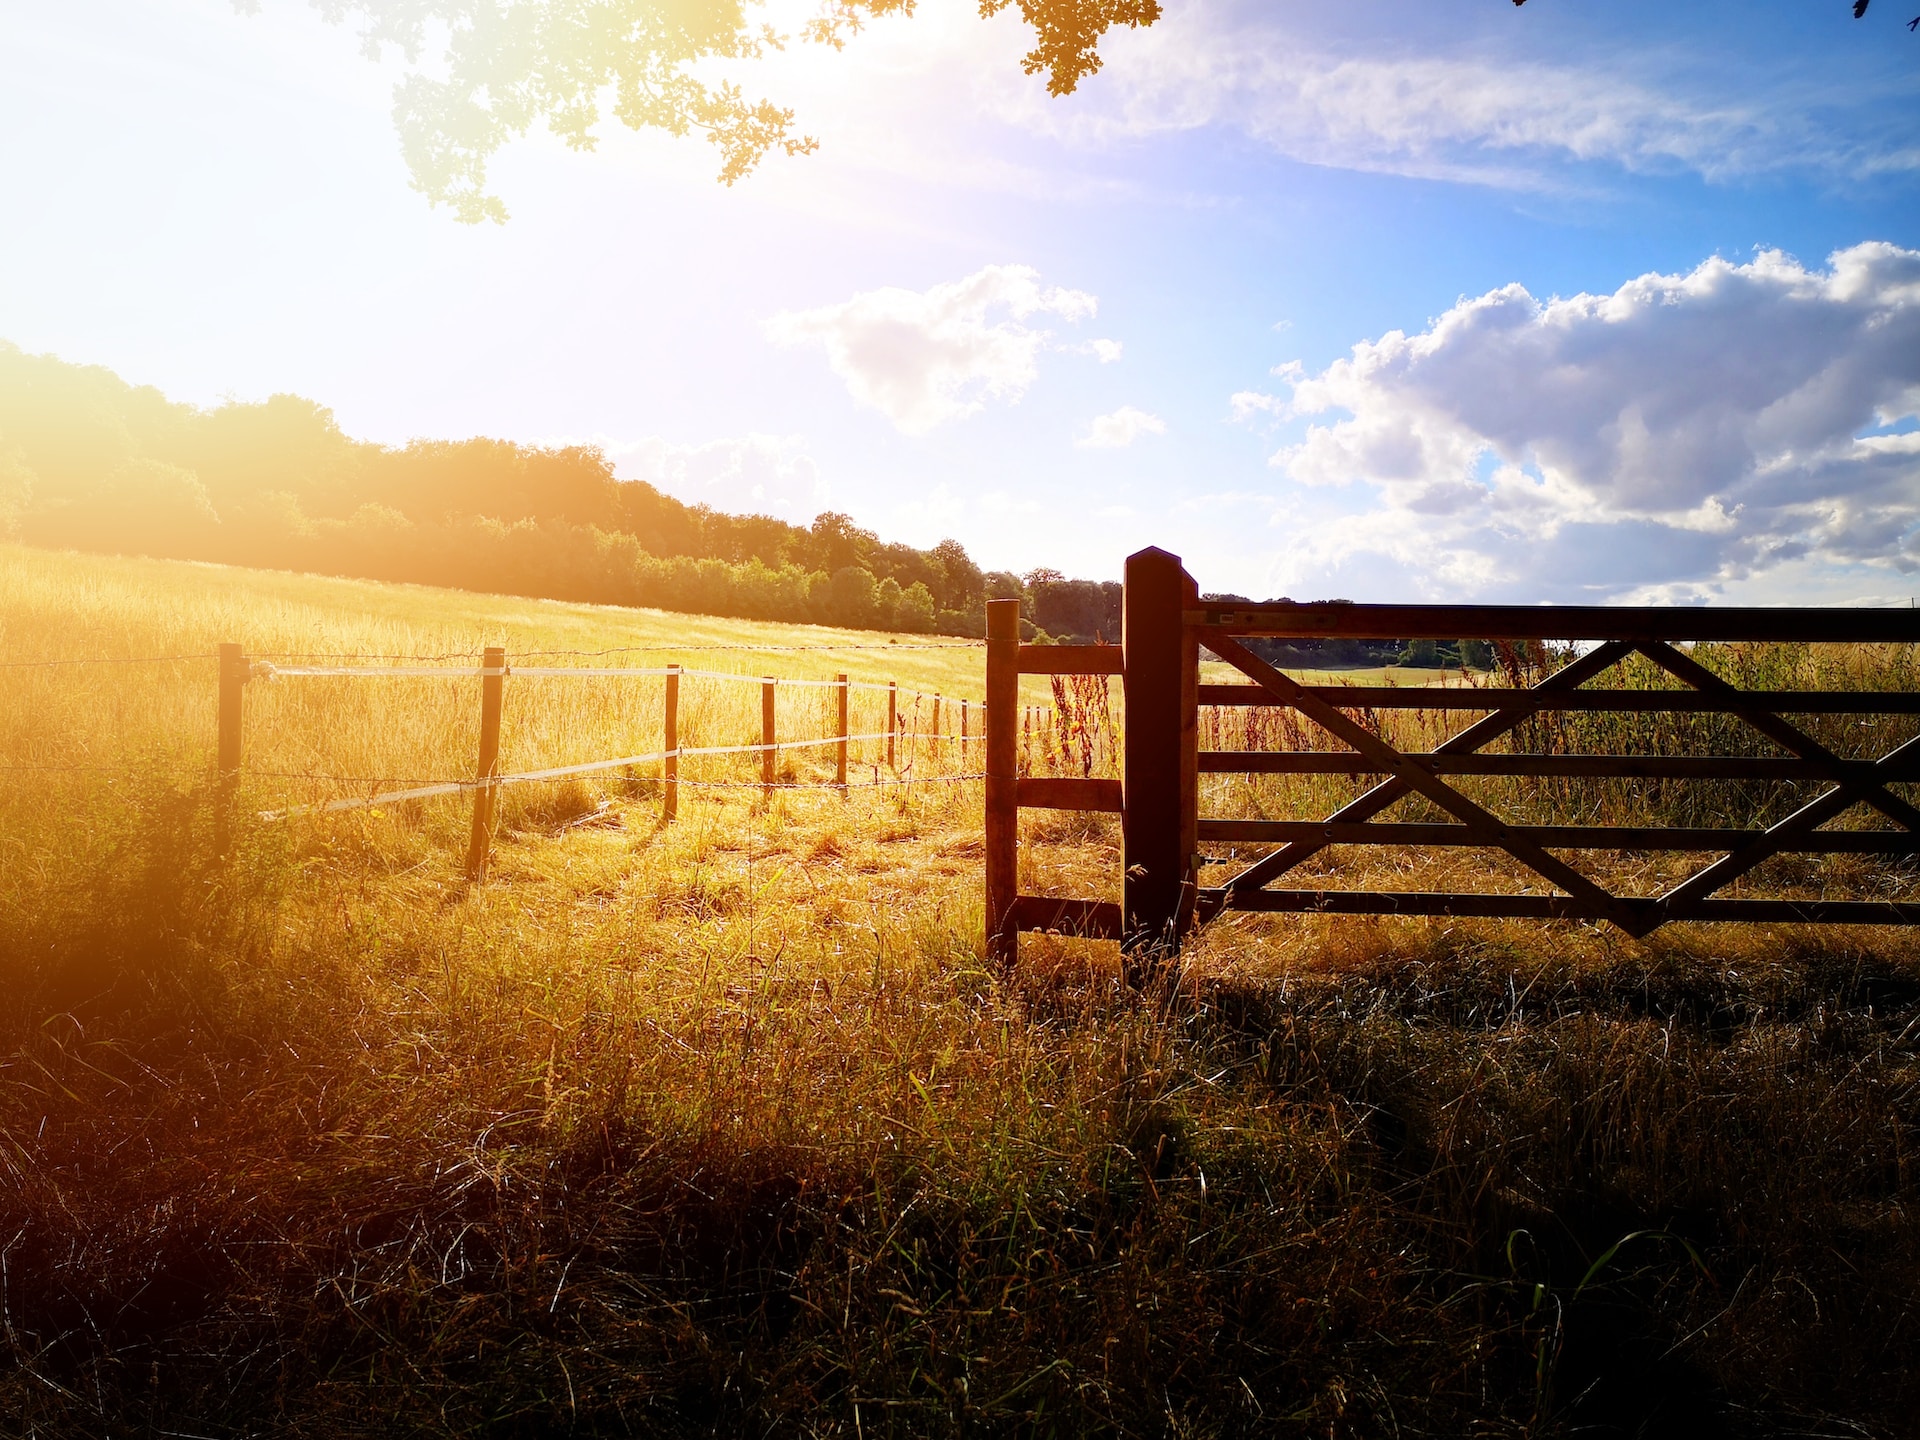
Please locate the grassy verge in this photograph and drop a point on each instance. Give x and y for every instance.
(722, 1128)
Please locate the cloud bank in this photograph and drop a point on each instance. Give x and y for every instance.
(1680, 434)
(926, 357)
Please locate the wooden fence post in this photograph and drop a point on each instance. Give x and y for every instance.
(670, 736)
(893, 720)
(766, 738)
(840, 760)
(233, 680)
(1003, 780)
(493, 667)
(963, 733)
(1155, 853)
(934, 729)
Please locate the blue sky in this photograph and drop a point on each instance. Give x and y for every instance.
(1404, 299)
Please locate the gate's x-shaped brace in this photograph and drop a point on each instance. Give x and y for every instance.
(1637, 915)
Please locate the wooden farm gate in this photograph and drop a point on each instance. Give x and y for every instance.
(1165, 629)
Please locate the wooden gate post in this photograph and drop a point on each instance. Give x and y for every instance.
(766, 738)
(670, 743)
(493, 669)
(840, 759)
(1157, 852)
(1002, 803)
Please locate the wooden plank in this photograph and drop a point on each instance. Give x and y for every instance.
(1501, 698)
(1072, 660)
(1341, 620)
(1554, 907)
(1489, 826)
(1594, 767)
(1092, 919)
(1046, 793)
(1003, 763)
(1558, 837)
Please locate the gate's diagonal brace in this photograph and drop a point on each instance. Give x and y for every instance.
(1812, 815)
(1484, 824)
(1387, 792)
(1782, 732)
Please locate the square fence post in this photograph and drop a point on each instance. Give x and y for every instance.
(768, 753)
(234, 669)
(840, 756)
(1155, 827)
(493, 671)
(670, 737)
(1002, 799)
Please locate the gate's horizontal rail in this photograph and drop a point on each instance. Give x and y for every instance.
(1552, 907)
(1466, 697)
(1588, 767)
(1556, 837)
(1328, 620)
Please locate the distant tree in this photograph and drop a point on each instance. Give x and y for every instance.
(505, 65)
(915, 612)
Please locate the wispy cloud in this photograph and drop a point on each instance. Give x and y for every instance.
(1455, 115)
(925, 357)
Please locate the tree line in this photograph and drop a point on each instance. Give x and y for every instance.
(89, 462)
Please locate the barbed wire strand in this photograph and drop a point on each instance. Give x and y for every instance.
(106, 660)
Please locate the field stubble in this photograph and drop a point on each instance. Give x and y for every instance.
(723, 1127)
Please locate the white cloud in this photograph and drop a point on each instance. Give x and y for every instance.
(1697, 429)
(1120, 429)
(1105, 351)
(924, 357)
(762, 474)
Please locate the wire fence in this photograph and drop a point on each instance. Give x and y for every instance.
(905, 723)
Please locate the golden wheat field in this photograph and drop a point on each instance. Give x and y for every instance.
(723, 1126)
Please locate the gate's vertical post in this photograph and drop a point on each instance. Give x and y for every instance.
(493, 669)
(840, 761)
(1003, 806)
(233, 681)
(1189, 753)
(670, 743)
(1156, 856)
(893, 721)
(767, 752)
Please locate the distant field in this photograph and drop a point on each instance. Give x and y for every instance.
(724, 1127)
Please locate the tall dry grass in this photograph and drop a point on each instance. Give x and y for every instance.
(723, 1128)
